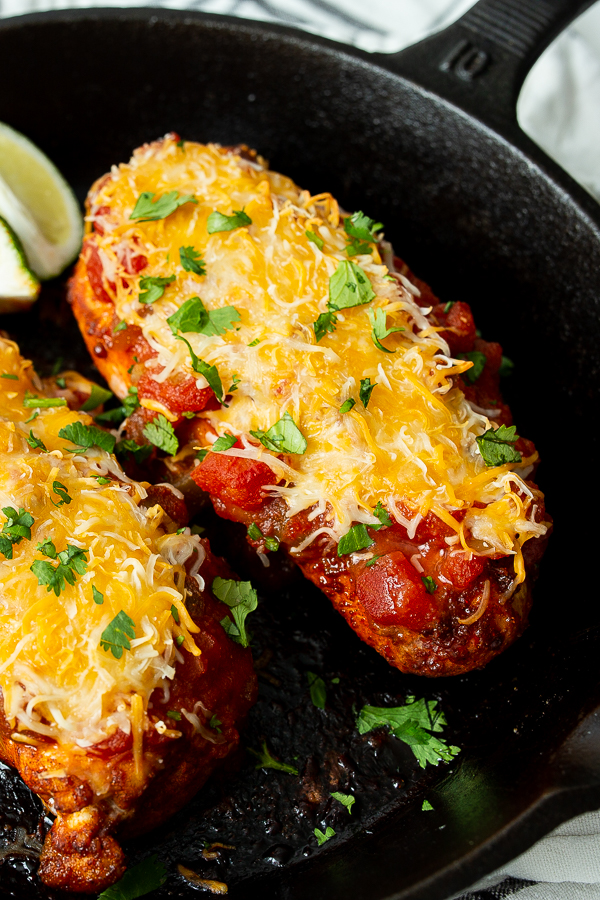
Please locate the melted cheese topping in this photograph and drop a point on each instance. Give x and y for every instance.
(415, 444)
(55, 677)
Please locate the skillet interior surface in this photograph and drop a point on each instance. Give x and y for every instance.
(481, 222)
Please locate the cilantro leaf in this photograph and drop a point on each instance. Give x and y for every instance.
(318, 692)
(36, 443)
(140, 452)
(506, 367)
(193, 317)
(219, 222)
(362, 231)
(496, 445)
(315, 239)
(174, 714)
(147, 209)
(255, 534)
(137, 881)
(357, 538)
(152, 287)
(366, 389)
(347, 405)
(242, 599)
(120, 326)
(325, 323)
(225, 442)
(191, 260)
(17, 526)
(416, 724)
(426, 806)
(383, 516)
(117, 633)
(10, 376)
(131, 402)
(86, 437)
(97, 596)
(346, 800)
(349, 286)
(211, 373)
(31, 401)
(282, 437)
(98, 395)
(479, 360)
(429, 584)
(377, 318)
(267, 761)
(373, 560)
(321, 838)
(160, 432)
(71, 561)
(61, 490)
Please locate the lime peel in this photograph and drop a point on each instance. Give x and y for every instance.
(19, 287)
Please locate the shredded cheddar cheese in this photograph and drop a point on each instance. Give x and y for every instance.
(55, 677)
(415, 442)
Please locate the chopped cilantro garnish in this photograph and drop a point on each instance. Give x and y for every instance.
(86, 437)
(413, 724)
(429, 583)
(282, 437)
(496, 445)
(377, 318)
(160, 432)
(192, 317)
(219, 222)
(357, 538)
(209, 372)
(71, 561)
(214, 723)
(448, 306)
(147, 209)
(120, 326)
(366, 389)
(117, 633)
(315, 239)
(347, 405)
(255, 534)
(175, 613)
(179, 639)
(174, 714)
(98, 395)
(346, 800)
(318, 692)
(137, 881)
(241, 598)
(36, 443)
(373, 560)
(140, 452)
(383, 516)
(267, 761)
(348, 286)
(321, 838)
(479, 360)
(191, 260)
(31, 401)
(202, 454)
(225, 442)
(101, 479)
(506, 367)
(111, 416)
(426, 806)
(33, 416)
(10, 376)
(152, 287)
(61, 383)
(17, 526)
(254, 343)
(272, 544)
(234, 384)
(61, 490)
(131, 402)
(97, 596)
(362, 231)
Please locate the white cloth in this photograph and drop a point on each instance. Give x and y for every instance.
(559, 108)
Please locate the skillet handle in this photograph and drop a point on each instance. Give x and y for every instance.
(479, 63)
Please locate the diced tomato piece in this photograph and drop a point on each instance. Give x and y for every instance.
(234, 480)
(459, 319)
(392, 592)
(95, 272)
(177, 394)
(460, 571)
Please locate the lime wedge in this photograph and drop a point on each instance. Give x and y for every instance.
(38, 204)
(18, 285)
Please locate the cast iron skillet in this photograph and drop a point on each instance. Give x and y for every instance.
(427, 142)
